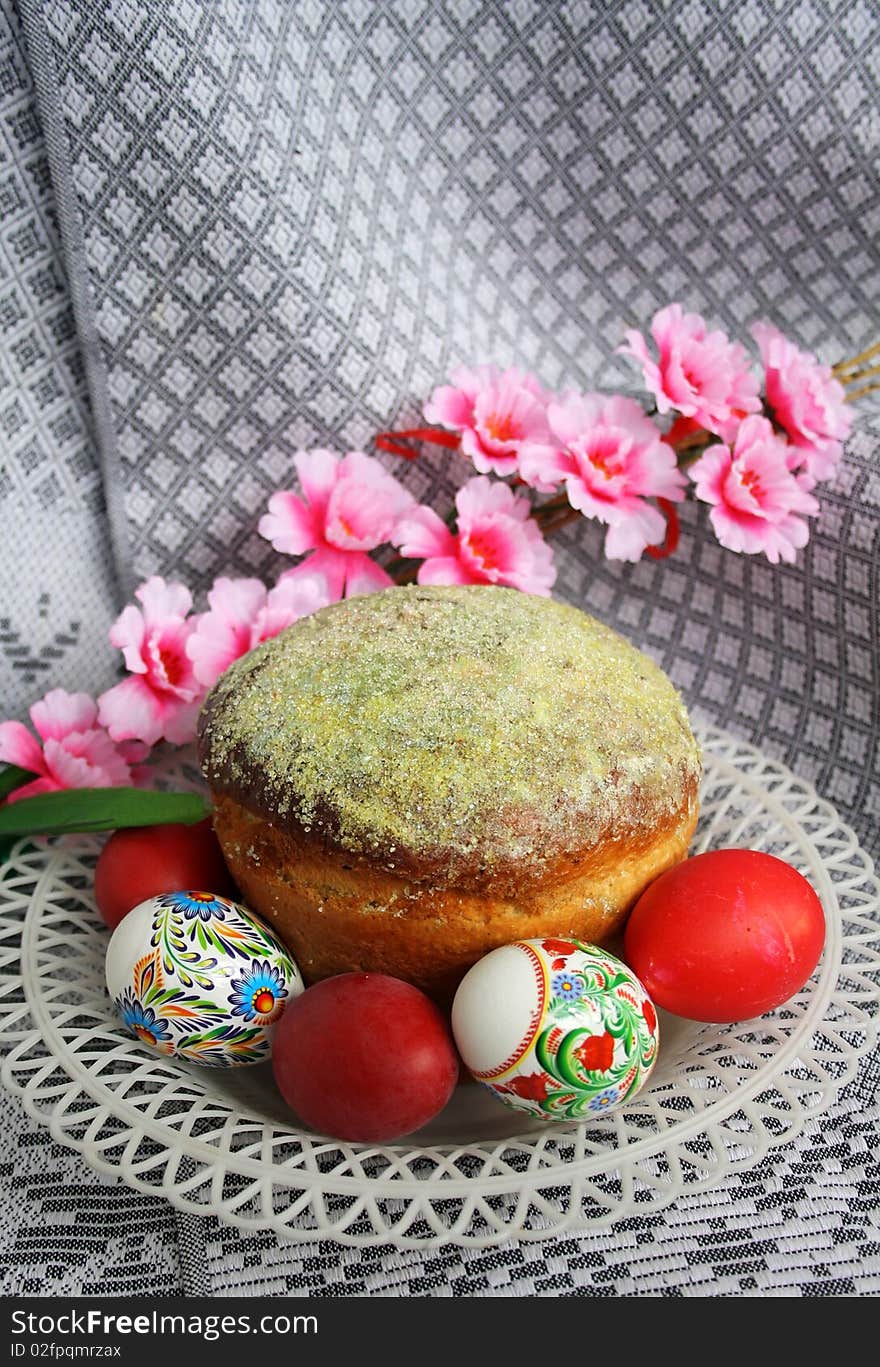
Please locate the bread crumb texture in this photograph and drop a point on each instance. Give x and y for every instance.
(453, 724)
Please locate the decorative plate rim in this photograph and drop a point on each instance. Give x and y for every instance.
(633, 1167)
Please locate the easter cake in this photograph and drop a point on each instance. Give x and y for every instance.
(404, 781)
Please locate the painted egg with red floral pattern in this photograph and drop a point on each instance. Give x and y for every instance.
(198, 976)
(558, 1029)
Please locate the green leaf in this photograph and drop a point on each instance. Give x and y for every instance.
(98, 809)
(6, 845)
(12, 777)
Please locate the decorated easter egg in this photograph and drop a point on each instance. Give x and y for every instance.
(555, 1028)
(198, 976)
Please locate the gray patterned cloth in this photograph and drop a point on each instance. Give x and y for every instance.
(233, 229)
(57, 585)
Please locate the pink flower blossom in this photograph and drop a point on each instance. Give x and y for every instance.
(806, 401)
(611, 459)
(495, 412)
(75, 752)
(161, 698)
(497, 541)
(754, 495)
(242, 613)
(699, 373)
(350, 506)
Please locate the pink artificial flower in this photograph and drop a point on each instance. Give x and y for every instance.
(699, 373)
(242, 613)
(161, 698)
(75, 752)
(611, 458)
(755, 496)
(806, 401)
(495, 412)
(351, 506)
(497, 541)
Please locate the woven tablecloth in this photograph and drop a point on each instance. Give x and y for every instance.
(233, 229)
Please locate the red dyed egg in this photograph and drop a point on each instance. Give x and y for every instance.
(364, 1057)
(143, 861)
(725, 936)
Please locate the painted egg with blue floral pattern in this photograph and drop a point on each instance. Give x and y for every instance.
(198, 976)
(556, 1028)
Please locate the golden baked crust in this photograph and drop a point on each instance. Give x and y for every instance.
(339, 913)
(405, 780)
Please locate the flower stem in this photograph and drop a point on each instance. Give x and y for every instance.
(854, 362)
(690, 444)
(553, 505)
(860, 393)
(669, 543)
(550, 525)
(398, 443)
(861, 375)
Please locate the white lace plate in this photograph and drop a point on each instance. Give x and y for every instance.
(223, 1143)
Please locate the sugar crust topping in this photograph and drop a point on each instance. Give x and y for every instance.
(452, 724)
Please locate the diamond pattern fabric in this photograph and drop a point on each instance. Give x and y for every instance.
(56, 580)
(280, 226)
